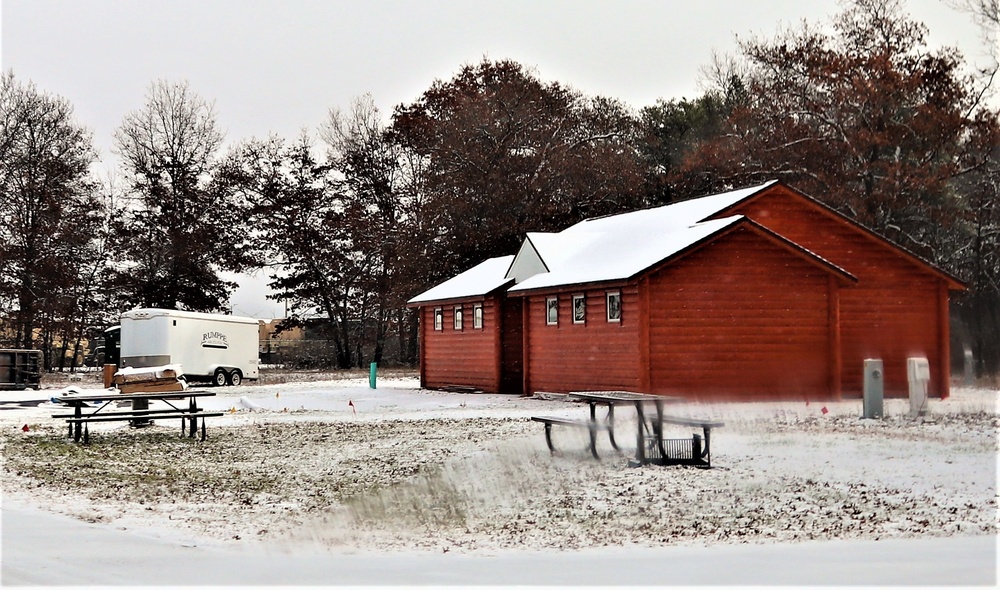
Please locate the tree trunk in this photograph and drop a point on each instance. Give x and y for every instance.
(62, 352)
(412, 351)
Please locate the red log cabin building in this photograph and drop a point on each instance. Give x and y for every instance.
(758, 293)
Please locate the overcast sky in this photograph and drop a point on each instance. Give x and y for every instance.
(279, 66)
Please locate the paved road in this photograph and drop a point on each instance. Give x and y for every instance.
(39, 548)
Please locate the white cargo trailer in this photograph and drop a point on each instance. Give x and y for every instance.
(208, 347)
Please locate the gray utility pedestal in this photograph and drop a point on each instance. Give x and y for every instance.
(874, 388)
(918, 373)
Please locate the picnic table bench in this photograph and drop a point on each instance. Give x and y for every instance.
(651, 446)
(591, 425)
(189, 415)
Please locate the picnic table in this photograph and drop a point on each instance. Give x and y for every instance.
(189, 414)
(651, 446)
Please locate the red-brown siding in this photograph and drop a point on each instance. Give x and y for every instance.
(745, 316)
(894, 310)
(740, 318)
(468, 357)
(596, 355)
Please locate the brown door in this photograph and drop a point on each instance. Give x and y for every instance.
(511, 347)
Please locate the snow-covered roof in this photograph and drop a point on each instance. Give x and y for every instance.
(618, 247)
(615, 256)
(478, 280)
(610, 248)
(150, 312)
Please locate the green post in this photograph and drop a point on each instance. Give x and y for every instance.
(371, 375)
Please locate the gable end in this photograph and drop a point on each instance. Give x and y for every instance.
(784, 243)
(954, 283)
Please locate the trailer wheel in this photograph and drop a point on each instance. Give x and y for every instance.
(219, 379)
(235, 378)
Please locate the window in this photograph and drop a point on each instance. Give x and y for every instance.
(552, 311)
(477, 316)
(458, 318)
(614, 306)
(438, 318)
(579, 309)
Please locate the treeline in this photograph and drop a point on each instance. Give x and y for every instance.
(354, 219)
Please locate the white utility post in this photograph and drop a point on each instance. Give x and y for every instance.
(918, 373)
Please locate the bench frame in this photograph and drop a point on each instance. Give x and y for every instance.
(136, 416)
(588, 425)
(650, 446)
(142, 418)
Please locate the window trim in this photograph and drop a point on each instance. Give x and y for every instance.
(459, 319)
(608, 295)
(438, 319)
(549, 320)
(477, 316)
(579, 297)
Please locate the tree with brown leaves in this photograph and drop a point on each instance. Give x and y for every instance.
(508, 153)
(870, 120)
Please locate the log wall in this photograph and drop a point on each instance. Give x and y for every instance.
(740, 318)
(465, 358)
(595, 355)
(894, 312)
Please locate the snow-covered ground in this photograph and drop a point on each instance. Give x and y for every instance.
(330, 482)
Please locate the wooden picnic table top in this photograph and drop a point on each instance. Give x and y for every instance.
(616, 397)
(98, 397)
(135, 416)
(632, 397)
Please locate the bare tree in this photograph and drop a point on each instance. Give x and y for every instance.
(370, 170)
(302, 228)
(180, 229)
(48, 207)
(985, 12)
(977, 255)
